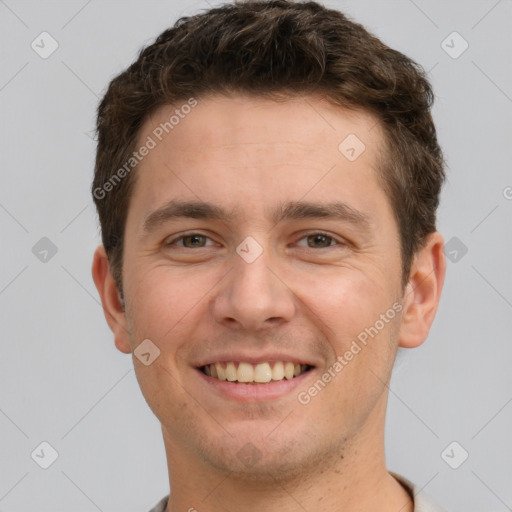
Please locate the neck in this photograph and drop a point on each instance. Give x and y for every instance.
(354, 478)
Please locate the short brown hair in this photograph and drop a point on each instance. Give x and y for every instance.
(267, 49)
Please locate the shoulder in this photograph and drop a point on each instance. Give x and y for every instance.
(161, 505)
(422, 501)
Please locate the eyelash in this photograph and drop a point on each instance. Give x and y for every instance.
(333, 239)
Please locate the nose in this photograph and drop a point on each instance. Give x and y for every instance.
(254, 296)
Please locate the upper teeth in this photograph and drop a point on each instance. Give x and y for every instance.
(247, 372)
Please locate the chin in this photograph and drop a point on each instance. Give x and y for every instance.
(259, 459)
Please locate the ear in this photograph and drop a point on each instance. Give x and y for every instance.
(423, 292)
(112, 307)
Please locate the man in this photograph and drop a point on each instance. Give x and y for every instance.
(267, 180)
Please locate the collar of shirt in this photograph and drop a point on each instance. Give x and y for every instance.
(422, 502)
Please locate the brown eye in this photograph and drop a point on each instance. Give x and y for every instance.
(319, 240)
(192, 241)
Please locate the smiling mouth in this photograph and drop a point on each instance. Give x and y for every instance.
(261, 373)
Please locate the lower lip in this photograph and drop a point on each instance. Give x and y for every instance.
(255, 392)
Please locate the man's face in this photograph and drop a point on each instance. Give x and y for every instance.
(271, 281)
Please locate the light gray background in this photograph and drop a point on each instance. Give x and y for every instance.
(61, 378)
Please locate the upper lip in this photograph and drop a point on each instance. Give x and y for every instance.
(254, 358)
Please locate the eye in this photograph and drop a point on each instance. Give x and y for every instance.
(191, 241)
(320, 241)
(312, 241)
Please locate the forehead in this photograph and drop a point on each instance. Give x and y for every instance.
(246, 150)
(251, 120)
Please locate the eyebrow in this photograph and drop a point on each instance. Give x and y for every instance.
(292, 210)
(337, 210)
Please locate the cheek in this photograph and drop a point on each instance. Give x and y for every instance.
(348, 307)
(163, 302)
(346, 302)
(348, 310)
(162, 308)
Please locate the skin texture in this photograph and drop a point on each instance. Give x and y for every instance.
(197, 298)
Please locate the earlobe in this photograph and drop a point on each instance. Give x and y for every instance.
(110, 299)
(423, 292)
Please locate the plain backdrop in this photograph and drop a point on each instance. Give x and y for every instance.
(61, 379)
